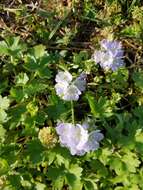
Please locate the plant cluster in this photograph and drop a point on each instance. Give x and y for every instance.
(71, 88)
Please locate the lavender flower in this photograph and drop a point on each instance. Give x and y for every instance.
(110, 56)
(67, 88)
(77, 138)
(80, 82)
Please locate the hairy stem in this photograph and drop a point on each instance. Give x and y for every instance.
(72, 111)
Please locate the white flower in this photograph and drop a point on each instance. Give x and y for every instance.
(77, 138)
(68, 89)
(72, 93)
(63, 77)
(61, 89)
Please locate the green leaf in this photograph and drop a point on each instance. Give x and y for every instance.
(4, 85)
(31, 63)
(36, 86)
(100, 107)
(117, 165)
(131, 161)
(22, 79)
(133, 30)
(138, 79)
(89, 184)
(57, 177)
(15, 181)
(138, 112)
(39, 51)
(62, 156)
(139, 141)
(11, 46)
(32, 108)
(99, 168)
(56, 108)
(3, 116)
(3, 48)
(16, 114)
(4, 103)
(18, 94)
(105, 155)
(73, 177)
(76, 170)
(35, 151)
(50, 156)
(74, 182)
(39, 65)
(13, 42)
(40, 117)
(2, 133)
(40, 186)
(44, 72)
(4, 167)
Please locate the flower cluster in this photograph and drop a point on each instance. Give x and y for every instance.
(77, 138)
(67, 88)
(110, 56)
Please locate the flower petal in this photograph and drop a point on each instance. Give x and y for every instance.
(63, 77)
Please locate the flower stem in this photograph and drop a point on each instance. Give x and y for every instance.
(72, 111)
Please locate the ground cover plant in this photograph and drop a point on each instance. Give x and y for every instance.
(71, 95)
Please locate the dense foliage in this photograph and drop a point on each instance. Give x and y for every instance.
(38, 39)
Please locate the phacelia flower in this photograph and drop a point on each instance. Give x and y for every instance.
(110, 56)
(77, 138)
(67, 88)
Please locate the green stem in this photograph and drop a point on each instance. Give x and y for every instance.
(72, 110)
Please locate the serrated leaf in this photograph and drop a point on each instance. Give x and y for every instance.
(76, 170)
(100, 107)
(36, 86)
(73, 177)
(40, 117)
(90, 185)
(133, 30)
(4, 102)
(39, 51)
(131, 161)
(18, 94)
(2, 133)
(16, 114)
(4, 167)
(35, 151)
(15, 181)
(117, 165)
(31, 63)
(21, 79)
(44, 72)
(40, 186)
(55, 108)
(62, 156)
(73, 182)
(57, 177)
(3, 48)
(99, 168)
(138, 79)
(3, 116)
